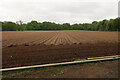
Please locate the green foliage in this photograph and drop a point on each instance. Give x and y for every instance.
(33, 25)
(66, 26)
(57, 73)
(9, 26)
(105, 25)
(80, 60)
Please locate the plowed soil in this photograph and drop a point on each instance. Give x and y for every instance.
(57, 37)
(42, 47)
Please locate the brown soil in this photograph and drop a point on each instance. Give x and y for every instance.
(88, 70)
(57, 37)
(42, 47)
(43, 54)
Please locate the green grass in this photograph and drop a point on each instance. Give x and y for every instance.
(19, 72)
(80, 60)
(10, 31)
(61, 30)
(57, 73)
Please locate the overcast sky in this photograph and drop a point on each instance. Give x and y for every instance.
(59, 11)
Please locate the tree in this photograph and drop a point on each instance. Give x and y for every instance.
(66, 26)
(105, 25)
(33, 25)
(9, 26)
(75, 27)
(21, 26)
(116, 24)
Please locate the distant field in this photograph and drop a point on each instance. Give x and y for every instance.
(57, 37)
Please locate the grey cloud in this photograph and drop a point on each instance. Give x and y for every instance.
(72, 11)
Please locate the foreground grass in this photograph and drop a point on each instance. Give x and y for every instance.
(80, 60)
(51, 71)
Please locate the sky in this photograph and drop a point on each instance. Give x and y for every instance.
(58, 11)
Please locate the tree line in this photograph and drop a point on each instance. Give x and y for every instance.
(105, 25)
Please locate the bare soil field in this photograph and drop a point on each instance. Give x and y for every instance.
(42, 47)
(57, 37)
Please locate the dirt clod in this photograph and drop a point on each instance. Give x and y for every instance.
(26, 44)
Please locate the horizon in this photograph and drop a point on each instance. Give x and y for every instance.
(55, 22)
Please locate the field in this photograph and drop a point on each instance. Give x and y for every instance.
(57, 37)
(41, 47)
